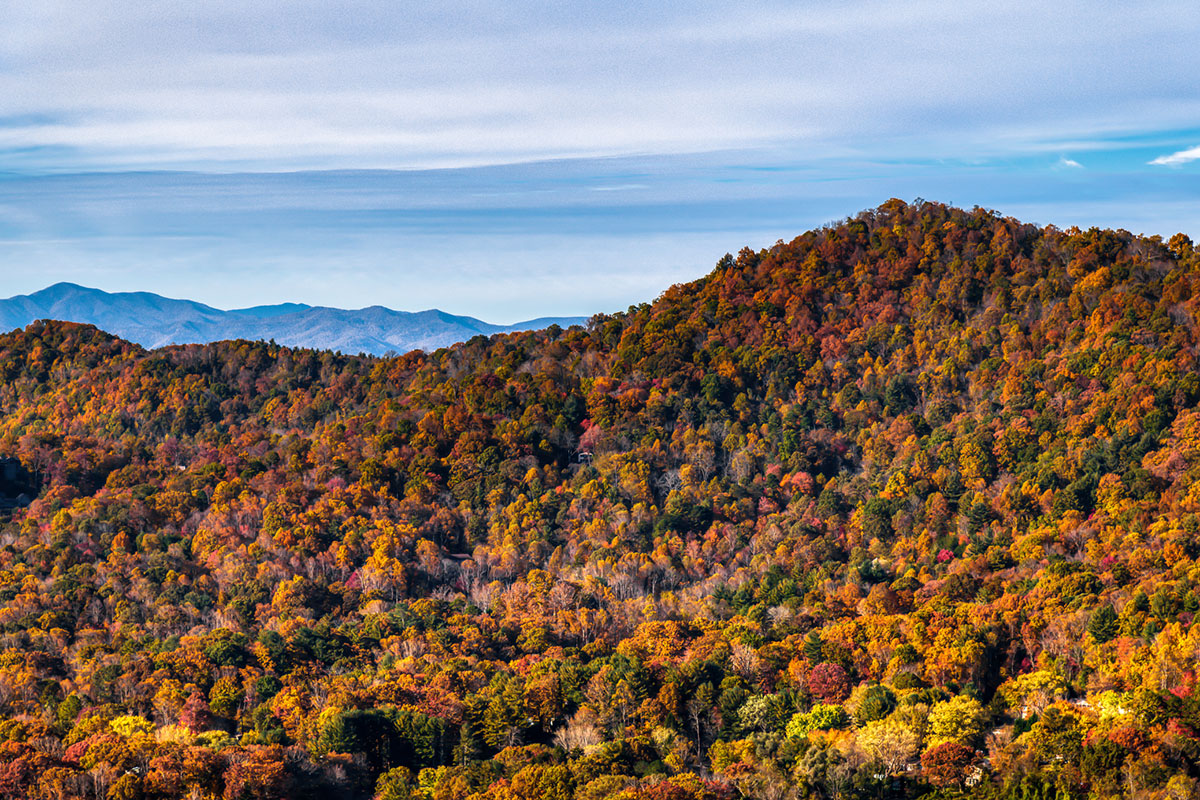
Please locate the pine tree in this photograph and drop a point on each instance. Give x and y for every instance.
(1104, 624)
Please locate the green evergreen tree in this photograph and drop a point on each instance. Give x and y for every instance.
(1104, 624)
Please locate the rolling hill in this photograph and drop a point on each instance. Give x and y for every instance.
(908, 506)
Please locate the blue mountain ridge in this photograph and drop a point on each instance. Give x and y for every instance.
(155, 321)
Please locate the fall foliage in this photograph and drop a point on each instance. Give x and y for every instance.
(903, 507)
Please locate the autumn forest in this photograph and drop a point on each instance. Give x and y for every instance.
(907, 507)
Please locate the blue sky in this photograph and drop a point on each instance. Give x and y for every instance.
(519, 159)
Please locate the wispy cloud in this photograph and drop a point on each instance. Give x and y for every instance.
(1181, 157)
(648, 138)
(251, 84)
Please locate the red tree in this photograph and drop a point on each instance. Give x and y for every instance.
(947, 764)
(829, 682)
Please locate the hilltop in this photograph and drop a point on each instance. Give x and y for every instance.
(904, 505)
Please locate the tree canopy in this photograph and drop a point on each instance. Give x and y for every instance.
(906, 504)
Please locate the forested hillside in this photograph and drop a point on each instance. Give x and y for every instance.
(906, 506)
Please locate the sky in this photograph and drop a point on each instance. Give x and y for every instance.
(519, 159)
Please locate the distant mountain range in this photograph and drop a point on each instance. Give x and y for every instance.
(154, 321)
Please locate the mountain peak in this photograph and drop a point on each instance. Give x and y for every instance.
(152, 320)
(65, 288)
